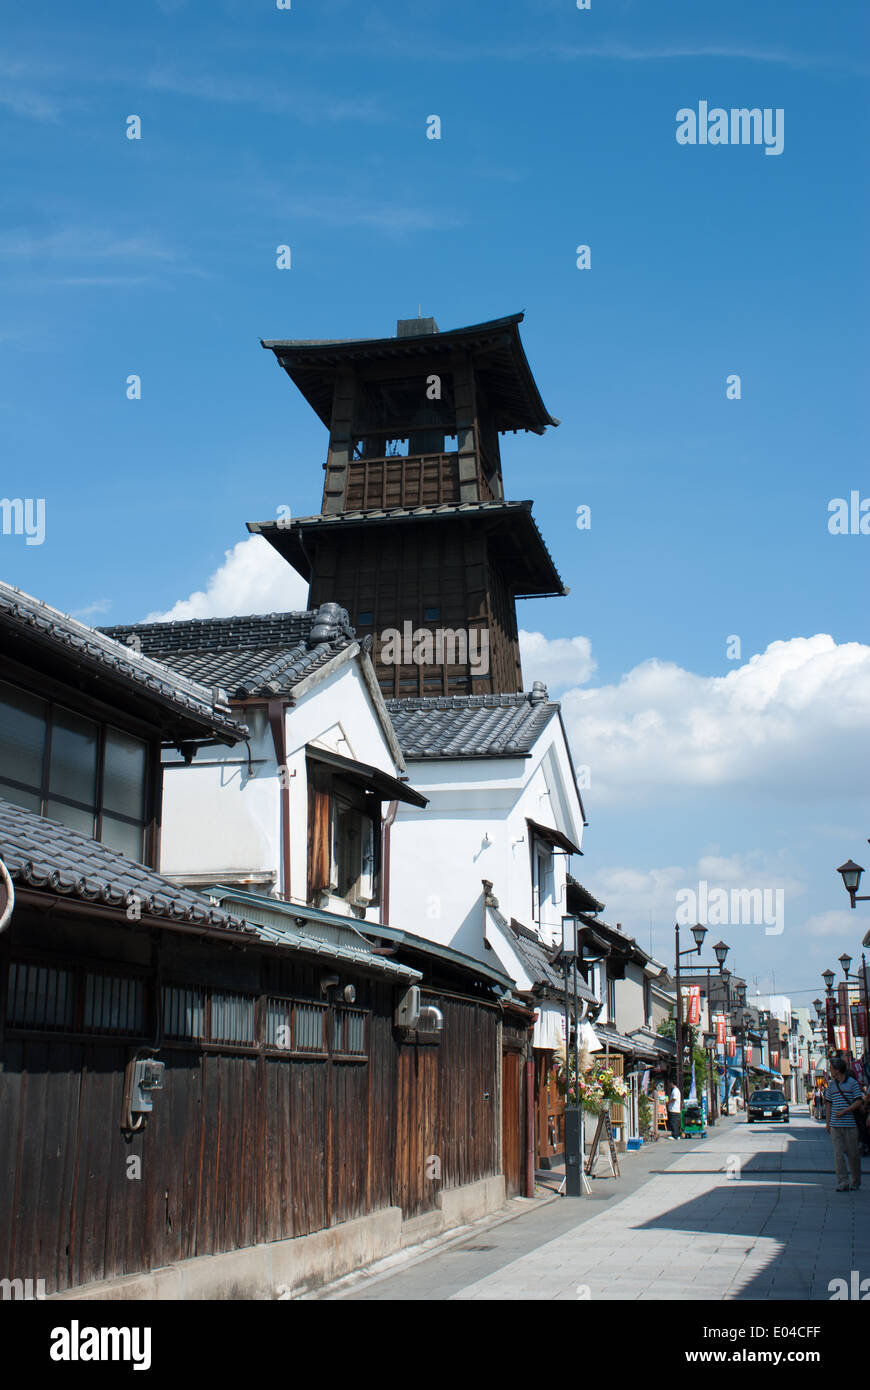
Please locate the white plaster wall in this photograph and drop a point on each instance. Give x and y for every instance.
(439, 856)
(221, 817)
(629, 999)
(339, 714)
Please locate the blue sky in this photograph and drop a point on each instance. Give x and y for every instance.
(307, 127)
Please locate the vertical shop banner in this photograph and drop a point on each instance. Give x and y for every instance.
(831, 1019)
(691, 1004)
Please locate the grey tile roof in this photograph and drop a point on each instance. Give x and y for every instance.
(504, 369)
(255, 656)
(302, 928)
(583, 900)
(538, 961)
(41, 853)
(94, 651)
(471, 726)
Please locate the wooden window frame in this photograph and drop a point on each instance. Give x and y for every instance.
(52, 704)
(79, 970)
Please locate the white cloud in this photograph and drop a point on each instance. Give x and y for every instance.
(791, 722)
(98, 608)
(558, 662)
(839, 923)
(252, 579)
(631, 895)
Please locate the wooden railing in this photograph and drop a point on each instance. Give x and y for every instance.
(406, 480)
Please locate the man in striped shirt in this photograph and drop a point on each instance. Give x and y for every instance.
(842, 1099)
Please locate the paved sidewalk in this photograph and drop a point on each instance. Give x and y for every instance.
(750, 1213)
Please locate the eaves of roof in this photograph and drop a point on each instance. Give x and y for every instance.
(438, 951)
(205, 712)
(50, 857)
(538, 579)
(312, 931)
(308, 361)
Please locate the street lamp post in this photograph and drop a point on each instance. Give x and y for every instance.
(698, 932)
(726, 980)
(573, 1111)
(830, 1011)
(861, 981)
(721, 951)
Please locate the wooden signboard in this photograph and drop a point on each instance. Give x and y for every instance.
(603, 1127)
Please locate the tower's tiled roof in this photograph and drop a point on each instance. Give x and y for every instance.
(534, 572)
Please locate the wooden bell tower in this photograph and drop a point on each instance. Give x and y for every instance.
(415, 537)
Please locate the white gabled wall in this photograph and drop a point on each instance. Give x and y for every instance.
(439, 856)
(221, 818)
(337, 714)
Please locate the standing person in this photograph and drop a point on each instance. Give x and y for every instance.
(842, 1100)
(675, 1102)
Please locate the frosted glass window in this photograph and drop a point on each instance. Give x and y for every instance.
(124, 774)
(73, 816)
(22, 735)
(73, 769)
(31, 801)
(123, 837)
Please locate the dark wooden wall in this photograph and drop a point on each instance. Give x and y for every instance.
(396, 573)
(242, 1147)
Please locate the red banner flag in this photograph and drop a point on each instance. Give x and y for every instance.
(831, 1019)
(691, 1004)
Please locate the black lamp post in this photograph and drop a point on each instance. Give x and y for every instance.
(698, 932)
(720, 951)
(828, 977)
(861, 981)
(573, 1110)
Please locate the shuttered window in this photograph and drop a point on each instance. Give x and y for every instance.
(183, 1013)
(349, 1037)
(232, 1019)
(40, 997)
(319, 831)
(114, 1004)
(296, 1025)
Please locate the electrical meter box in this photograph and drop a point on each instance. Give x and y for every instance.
(147, 1077)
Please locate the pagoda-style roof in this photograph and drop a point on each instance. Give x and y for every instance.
(500, 364)
(514, 537)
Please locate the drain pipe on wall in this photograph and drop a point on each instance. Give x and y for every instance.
(530, 1124)
(276, 711)
(385, 886)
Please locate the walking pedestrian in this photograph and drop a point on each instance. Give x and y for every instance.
(842, 1100)
(675, 1103)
